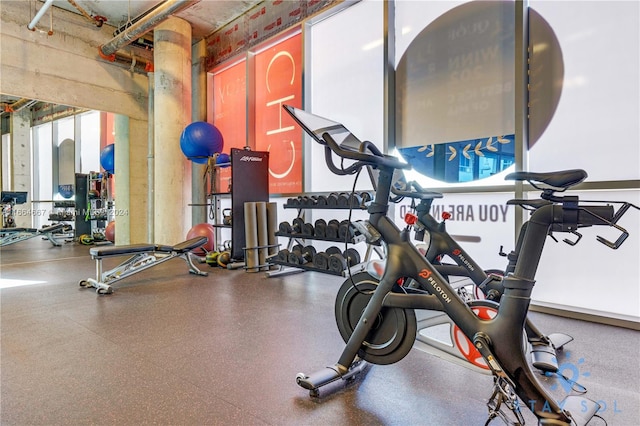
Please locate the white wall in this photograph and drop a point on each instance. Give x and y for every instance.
(596, 126)
(346, 83)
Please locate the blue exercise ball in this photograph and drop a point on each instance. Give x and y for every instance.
(200, 140)
(223, 159)
(107, 158)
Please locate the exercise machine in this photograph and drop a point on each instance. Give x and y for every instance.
(9, 199)
(142, 256)
(10, 236)
(379, 324)
(487, 284)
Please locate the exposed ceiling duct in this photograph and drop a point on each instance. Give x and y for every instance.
(144, 25)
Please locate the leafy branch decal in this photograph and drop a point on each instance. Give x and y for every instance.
(467, 151)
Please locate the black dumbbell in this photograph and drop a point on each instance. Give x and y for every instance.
(345, 233)
(355, 200)
(337, 263)
(307, 230)
(284, 228)
(332, 229)
(321, 260)
(301, 255)
(343, 199)
(308, 253)
(321, 200)
(352, 256)
(306, 201)
(320, 227)
(333, 250)
(294, 255)
(332, 199)
(283, 255)
(298, 225)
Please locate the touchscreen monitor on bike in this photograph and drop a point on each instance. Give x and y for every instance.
(316, 126)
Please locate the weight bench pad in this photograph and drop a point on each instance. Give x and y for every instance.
(120, 250)
(189, 245)
(52, 228)
(16, 230)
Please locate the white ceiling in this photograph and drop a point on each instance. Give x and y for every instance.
(205, 16)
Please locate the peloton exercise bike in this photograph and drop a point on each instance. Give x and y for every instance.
(487, 284)
(382, 324)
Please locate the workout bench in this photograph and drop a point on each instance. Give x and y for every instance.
(15, 235)
(143, 256)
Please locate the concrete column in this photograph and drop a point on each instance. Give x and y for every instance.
(21, 163)
(138, 183)
(172, 113)
(121, 176)
(199, 113)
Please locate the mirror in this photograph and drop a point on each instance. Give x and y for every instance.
(62, 141)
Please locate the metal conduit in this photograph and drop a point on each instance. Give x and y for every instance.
(43, 9)
(144, 25)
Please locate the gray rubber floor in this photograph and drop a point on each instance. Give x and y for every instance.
(170, 348)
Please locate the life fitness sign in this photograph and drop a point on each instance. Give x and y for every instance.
(278, 72)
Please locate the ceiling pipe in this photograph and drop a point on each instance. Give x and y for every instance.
(43, 9)
(130, 22)
(136, 63)
(144, 25)
(97, 20)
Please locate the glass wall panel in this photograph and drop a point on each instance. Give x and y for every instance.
(596, 126)
(89, 141)
(42, 136)
(64, 164)
(6, 162)
(344, 69)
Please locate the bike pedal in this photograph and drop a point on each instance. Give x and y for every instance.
(544, 358)
(558, 340)
(580, 409)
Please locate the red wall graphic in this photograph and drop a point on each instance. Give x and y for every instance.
(230, 111)
(278, 71)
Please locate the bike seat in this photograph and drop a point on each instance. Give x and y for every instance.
(560, 179)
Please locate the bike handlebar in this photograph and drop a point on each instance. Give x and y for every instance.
(375, 158)
(417, 192)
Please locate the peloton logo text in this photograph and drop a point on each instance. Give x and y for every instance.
(458, 254)
(434, 284)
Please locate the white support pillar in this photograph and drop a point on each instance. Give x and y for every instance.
(21, 163)
(172, 113)
(122, 181)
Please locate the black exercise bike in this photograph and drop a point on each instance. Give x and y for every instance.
(380, 321)
(486, 284)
